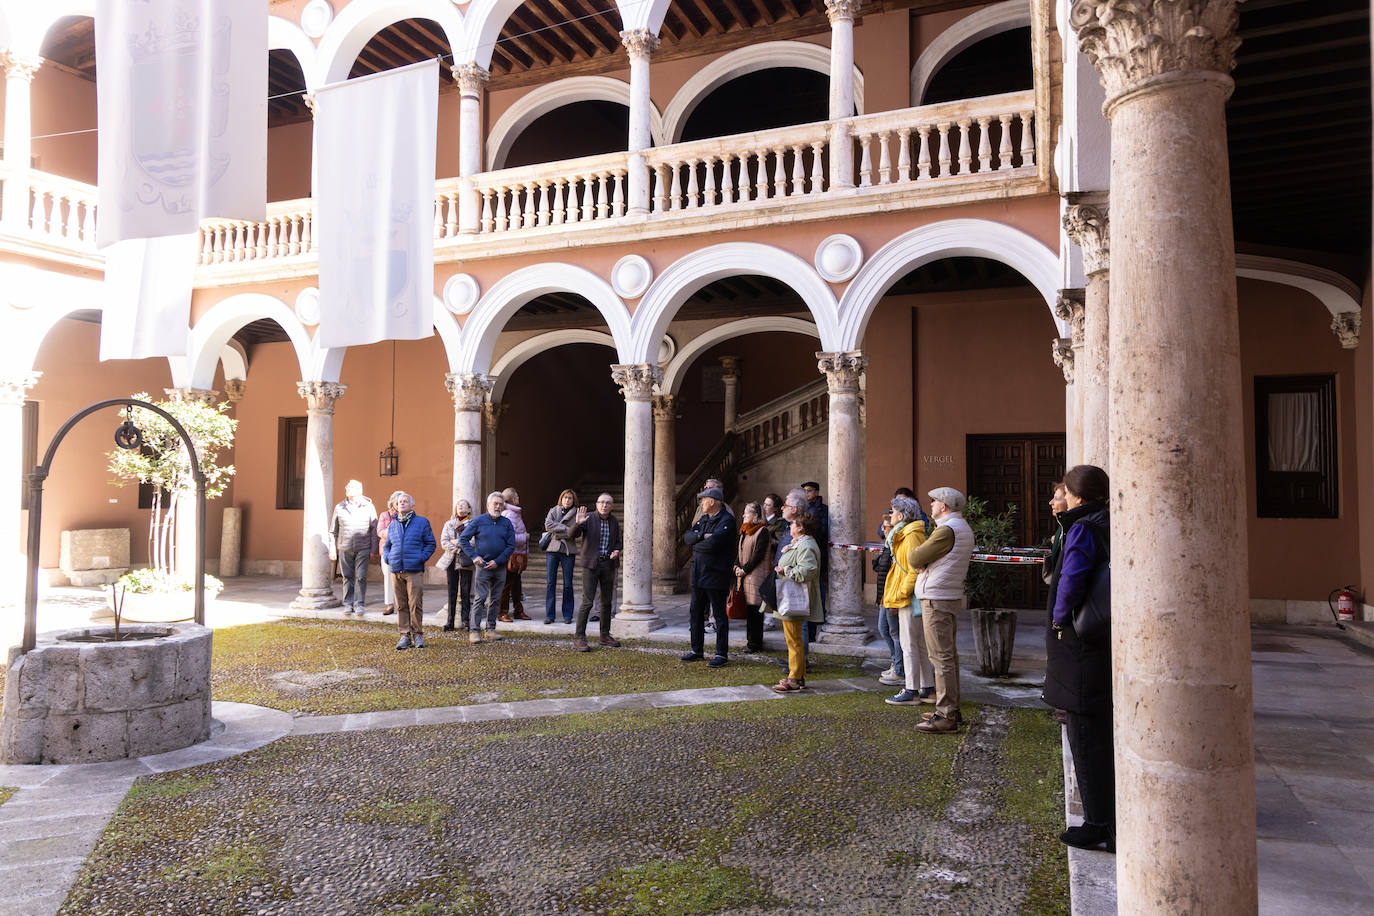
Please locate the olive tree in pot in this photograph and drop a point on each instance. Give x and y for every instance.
(994, 627)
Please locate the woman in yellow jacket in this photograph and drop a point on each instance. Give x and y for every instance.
(908, 532)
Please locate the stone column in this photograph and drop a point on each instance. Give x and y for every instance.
(186, 528)
(637, 615)
(491, 420)
(317, 589)
(841, 14)
(19, 73)
(1085, 220)
(470, 394)
(1061, 349)
(731, 382)
(1069, 308)
(230, 542)
(844, 610)
(471, 80)
(1185, 773)
(641, 44)
(665, 494)
(14, 389)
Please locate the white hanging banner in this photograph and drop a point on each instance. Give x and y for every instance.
(374, 206)
(147, 305)
(182, 96)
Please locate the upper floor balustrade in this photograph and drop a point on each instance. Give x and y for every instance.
(931, 155)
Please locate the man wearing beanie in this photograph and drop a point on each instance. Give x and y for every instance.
(942, 562)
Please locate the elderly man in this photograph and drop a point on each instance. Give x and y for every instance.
(942, 562)
(714, 542)
(353, 538)
(599, 556)
(489, 541)
(409, 544)
(816, 506)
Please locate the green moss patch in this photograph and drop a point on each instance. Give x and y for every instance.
(674, 889)
(1034, 795)
(6, 793)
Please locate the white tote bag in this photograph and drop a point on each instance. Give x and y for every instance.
(794, 599)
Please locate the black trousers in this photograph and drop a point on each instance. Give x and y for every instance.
(712, 599)
(753, 627)
(599, 578)
(1090, 743)
(459, 579)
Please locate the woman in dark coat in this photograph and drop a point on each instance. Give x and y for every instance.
(1078, 670)
(753, 562)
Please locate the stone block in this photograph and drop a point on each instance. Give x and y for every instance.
(193, 669)
(84, 737)
(88, 578)
(94, 548)
(168, 728)
(139, 674)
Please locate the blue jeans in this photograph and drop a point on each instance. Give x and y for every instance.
(487, 585)
(887, 632)
(555, 562)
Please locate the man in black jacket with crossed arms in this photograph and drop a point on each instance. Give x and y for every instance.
(714, 541)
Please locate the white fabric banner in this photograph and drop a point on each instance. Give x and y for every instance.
(148, 297)
(182, 97)
(374, 206)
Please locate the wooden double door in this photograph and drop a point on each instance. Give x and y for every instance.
(1020, 470)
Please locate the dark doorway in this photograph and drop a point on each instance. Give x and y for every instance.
(1022, 470)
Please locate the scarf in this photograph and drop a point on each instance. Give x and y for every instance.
(405, 517)
(749, 528)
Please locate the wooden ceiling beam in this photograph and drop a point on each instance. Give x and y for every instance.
(738, 13)
(591, 44)
(520, 43)
(536, 33)
(436, 41)
(765, 14)
(713, 23)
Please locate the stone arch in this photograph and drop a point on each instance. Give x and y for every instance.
(31, 25)
(975, 238)
(690, 273)
(676, 370)
(31, 292)
(526, 350)
(544, 99)
(507, 295)
(764, 56)
(973, 28)
(486, 18)
(1328, 287)
(215, 328)
(287, 36)
(360, 20)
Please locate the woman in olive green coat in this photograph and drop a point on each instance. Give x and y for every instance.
(799, 562)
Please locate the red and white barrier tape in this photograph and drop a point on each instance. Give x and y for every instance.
(1022, 555)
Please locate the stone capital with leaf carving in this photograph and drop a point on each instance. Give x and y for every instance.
(492, 411)
(640, 43)
(234, 389)
(1069, 307)
(469, 390)
(843, 371)
(1061, 348)
(1132, 41)
(637, 382)
(1086, 222)
(204, 396)
(665, 407)
(14, 389)
(19, 66)
(320, 396)
(470, 77)
(1346, 327)
(839, 10)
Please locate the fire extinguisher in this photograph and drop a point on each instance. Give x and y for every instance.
(1342, 603)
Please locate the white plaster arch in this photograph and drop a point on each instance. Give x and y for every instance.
(974, 238)
(234, 360)
(6, 30)
(286, 35)
(449, 331)
(546, 98)
(1331, 289)
(356, 23)
(35, 300)
(973, 28)
(527, 349)
(213, 331)
(767, 55)
(690, 273)
(512, 291)
(676, 370)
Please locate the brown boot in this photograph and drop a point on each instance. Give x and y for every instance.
(610, 642)
(938, 724)
(580, 644)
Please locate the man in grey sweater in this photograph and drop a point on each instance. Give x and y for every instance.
(353, 540)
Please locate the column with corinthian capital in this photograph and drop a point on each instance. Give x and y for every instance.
(844, 622)
(187, 521)
(665, 494)
(1185, 774)
(841, 14)
(14, 388)
(19, 73)
(1085, 221)
(1068, 308)
(641, 44)
(470, 394)
(471, 80)
(317, 589)
(637, 615)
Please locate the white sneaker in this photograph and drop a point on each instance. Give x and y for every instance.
(889, 671)
(891, 680)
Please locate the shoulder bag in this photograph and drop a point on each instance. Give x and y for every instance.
(1093, 618)
(794, 599)
(735, 606)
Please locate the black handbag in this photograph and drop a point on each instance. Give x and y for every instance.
(1093, 618)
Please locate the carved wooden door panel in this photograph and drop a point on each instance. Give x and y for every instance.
(1020, 470)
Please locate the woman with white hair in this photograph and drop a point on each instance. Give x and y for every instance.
(908, 531)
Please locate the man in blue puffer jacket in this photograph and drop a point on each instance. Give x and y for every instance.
(488, 540)
(409, 543)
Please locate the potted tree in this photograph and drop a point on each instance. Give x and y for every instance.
(994, 627)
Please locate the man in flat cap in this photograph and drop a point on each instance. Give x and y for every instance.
(713, 539)
(942, 562)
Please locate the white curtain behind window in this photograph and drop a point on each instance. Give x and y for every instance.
(1293, 424)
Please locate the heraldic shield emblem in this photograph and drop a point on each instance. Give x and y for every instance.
(398, 260)
(170, 61)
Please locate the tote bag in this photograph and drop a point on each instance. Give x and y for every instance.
(794, 599)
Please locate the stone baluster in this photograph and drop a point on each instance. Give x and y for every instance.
(692, 200)
(1185, 773)
(451, 214)
(559, 211)
(665, 495)
(487, 220)
(798, 186)
(746, 182)
(530, 219)
(588, 198)
(844, 465)
(88, 225)
(1086, 222)
(817, 167)
(501, 221)
(640, 44)
(779, 171)
(884, 157)
(317, 590)
(19, 73)
(470, 393)
(38, 217)
(14, 390)
(841, 14)
(965, 146)
(472, 80)
(1004, 148)
(708, 188)
(903, 154)
(603, 195)
(674, 192)
(660, 188)
(984, 144)
(438, 217)
(944, 159)
(545, 202)
(1027, 138)
(637, 615)
(727, 179)
(865, 160)
(923, 151)
(307, 226)
(1069, 308)
(206, 252)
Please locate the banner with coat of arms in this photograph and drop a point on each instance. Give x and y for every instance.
(374, 206)
(181, 87)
